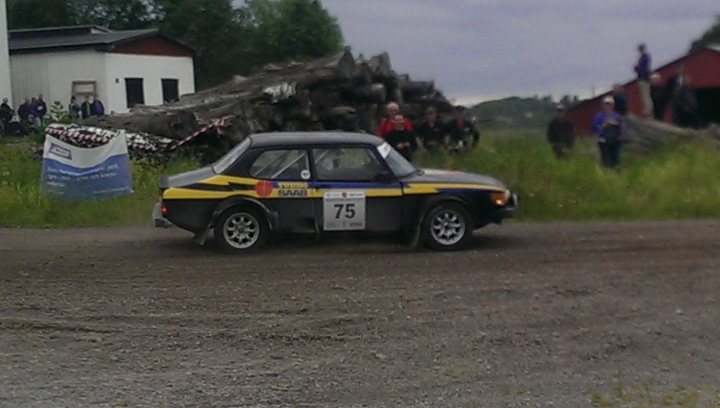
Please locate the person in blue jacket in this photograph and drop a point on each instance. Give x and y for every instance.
(609, 129)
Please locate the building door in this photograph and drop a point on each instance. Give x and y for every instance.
(134, 91)
(170, 90)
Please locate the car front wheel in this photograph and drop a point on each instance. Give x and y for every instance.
(240, 230)
(447, 227)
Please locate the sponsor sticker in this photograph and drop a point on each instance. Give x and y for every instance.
(264, 188)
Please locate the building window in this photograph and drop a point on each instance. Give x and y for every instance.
(134, 91)
(170, 90)
(84, 88)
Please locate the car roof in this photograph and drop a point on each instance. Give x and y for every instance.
(279, 139)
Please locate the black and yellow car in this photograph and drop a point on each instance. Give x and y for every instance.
(328, 183)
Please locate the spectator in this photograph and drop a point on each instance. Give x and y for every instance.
(673, 84)
(386, 124)
(401, 138)
(460, 130)
(620, 99)
(24, 110)
(686, 110)
(39, 111)
(609, 128)
(643, 70)
(98, 109)
(15, 127)
(30, 125)
(86, 108)
(431, 131)
(73, 109)
(560, 133)
(6, 113)
(657, 93)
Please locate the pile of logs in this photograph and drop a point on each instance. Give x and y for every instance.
(333, 93)
(645, 134)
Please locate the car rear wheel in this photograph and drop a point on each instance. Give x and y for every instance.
(240, 230)
(447, 227)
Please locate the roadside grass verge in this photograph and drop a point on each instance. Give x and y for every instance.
(643, 396)
(673, 182)
(23, 205)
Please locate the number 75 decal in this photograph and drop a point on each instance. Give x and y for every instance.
(344, 210)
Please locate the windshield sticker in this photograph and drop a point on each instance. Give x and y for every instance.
(384, 150)
(305, 174)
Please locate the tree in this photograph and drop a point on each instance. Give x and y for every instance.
(711, 36)
(283, 30)
(212, 28)
(114, 14)
(38, 13)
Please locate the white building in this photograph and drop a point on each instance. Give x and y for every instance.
(121, 68)
(5, 90)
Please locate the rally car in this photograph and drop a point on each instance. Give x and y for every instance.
(324, 182)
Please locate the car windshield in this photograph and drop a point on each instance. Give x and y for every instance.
(398, 164)
(226, 161)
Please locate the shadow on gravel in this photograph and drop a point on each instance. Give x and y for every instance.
(350, 244)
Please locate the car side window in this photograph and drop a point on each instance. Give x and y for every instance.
(290, 165)
(347, 164)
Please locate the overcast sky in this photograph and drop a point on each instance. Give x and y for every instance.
(485, 49)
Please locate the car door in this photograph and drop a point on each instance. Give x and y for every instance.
(354, 190)
(284, 187)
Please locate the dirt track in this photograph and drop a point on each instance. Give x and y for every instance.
(530, 315)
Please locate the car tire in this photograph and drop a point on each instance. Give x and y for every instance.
(447, 227)
(241, 230)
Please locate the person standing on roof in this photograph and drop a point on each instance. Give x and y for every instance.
(643, 69)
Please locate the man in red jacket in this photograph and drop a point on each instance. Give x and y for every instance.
(386, 125)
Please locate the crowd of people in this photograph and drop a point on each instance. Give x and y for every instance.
(675, 97)
(429, 134)
(33, 114)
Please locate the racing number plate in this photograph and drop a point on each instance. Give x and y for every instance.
(344, 211)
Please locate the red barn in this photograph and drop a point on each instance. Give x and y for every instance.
(702, 65)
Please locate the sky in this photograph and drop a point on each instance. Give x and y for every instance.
(478, 50)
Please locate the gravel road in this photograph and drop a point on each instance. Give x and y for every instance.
(539, 314)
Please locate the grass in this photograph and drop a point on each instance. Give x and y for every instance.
(675, 181)
(643, 396)
(23, 205)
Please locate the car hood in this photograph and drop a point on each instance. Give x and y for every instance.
(187, 178)
(451, 176)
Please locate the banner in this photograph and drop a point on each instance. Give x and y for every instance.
(76, 173)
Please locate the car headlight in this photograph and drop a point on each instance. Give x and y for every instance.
(500, 198)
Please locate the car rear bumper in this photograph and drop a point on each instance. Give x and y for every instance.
(158, 219)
